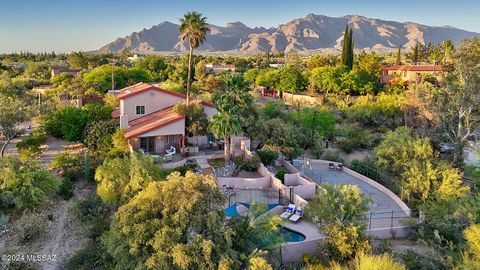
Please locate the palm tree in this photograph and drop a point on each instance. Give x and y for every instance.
(235, 99)
(193, 28)
(224, 125)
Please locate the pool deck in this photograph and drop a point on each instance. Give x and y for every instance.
(380, 201)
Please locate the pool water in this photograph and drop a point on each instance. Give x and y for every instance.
(291, 236)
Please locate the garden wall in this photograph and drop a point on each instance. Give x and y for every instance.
(302, 99)
(244, 183)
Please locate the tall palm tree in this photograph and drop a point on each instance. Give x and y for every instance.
(193, 28)
(224, 125)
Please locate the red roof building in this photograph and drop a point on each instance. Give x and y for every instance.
(146, 114)
(407, 74)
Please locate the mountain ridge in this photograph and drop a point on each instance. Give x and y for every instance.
(312, 32)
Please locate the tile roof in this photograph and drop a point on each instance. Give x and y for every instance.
(151, 122)
(116, 113)
(415, 68)
(142, 87)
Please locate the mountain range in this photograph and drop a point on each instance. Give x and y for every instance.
(310, 33)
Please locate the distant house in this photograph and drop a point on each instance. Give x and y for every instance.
(58, 71)
(276, 65)
(42, 89)
(410, 73)
(18, 65)
(135, 58)
(146, 114)
(216, 68)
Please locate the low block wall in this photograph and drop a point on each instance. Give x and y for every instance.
(293, 252)
(305, 191)
(252, 183)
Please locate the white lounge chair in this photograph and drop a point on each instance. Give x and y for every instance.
(297, 216)
(171, 151)
(290, 210)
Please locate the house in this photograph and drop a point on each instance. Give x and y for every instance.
(410, 73)
(58, 71)
(146, 114)
(135, 58)
(216, 68)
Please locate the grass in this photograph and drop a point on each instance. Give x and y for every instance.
(216, 163)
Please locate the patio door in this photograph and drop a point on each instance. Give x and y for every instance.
(147, 144)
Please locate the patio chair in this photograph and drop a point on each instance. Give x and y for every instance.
(168, 157)
(297, 216)
(331, 167)
(340, 166)
(289, 212)
(171, 151)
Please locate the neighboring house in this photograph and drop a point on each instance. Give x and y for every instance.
(216, 68)
(58, 71)
(410, 74)
(42, 89)
(276, 65)
(135, 58)
(146, 113)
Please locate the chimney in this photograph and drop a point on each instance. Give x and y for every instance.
(123, 121)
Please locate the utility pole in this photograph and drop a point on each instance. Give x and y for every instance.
(113, 75)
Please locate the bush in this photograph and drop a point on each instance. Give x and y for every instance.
(31, 225)
(427, 259)
(69, 165)
(92, 214)
(98, 135)
(92, 256)
(267, 157)
(281, 174)
(66, 188)
(25, 184)
(332, 156)
(355, 139)
(249, 164)
(30, 146)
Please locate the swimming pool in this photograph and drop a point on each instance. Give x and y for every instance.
(292, 236)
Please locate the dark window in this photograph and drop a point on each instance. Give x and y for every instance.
(140, 110)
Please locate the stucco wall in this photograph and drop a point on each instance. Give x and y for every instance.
(305, 191)
(293, 252)
(251, 183)
(209, 111)
(152, 100)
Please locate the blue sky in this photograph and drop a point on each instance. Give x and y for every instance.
(69, 25)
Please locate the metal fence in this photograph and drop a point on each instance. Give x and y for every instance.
(382, 178)
(389, 219)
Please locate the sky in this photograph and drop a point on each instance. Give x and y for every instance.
(84, 25)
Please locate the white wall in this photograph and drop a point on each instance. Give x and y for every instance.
(151, 99)
(252, 183)
(209, 111)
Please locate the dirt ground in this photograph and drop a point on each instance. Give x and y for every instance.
(64, 236)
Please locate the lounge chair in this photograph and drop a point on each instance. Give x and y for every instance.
(171, 151)
(331, 167)
(340, 166)
(297, 216)
(290, 210)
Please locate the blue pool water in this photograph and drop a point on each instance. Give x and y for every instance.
(291, 236)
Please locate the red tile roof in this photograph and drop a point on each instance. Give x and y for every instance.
(116, 113)
(151, 122)
(415, 68)
(142, 87)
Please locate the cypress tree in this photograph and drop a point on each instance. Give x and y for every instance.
(345, 44)
(399, 57)
(415, 54)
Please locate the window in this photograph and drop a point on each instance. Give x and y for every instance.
(171, 139)
(140, 110)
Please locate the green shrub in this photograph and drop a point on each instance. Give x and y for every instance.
(332, 156)
(30, 146)
(25, 184)
(92, 214)
(66, 188)
(92, 256)
(31, 225)
(281, 174)
(427, 259)
(98, 135)
(267, 157)
(250, 164)
(69, 165)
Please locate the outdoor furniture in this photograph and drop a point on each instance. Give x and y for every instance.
(168, 157)
(340, 166)
(289, 212)
(297, 216)
(331, 167)
(171, 151)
